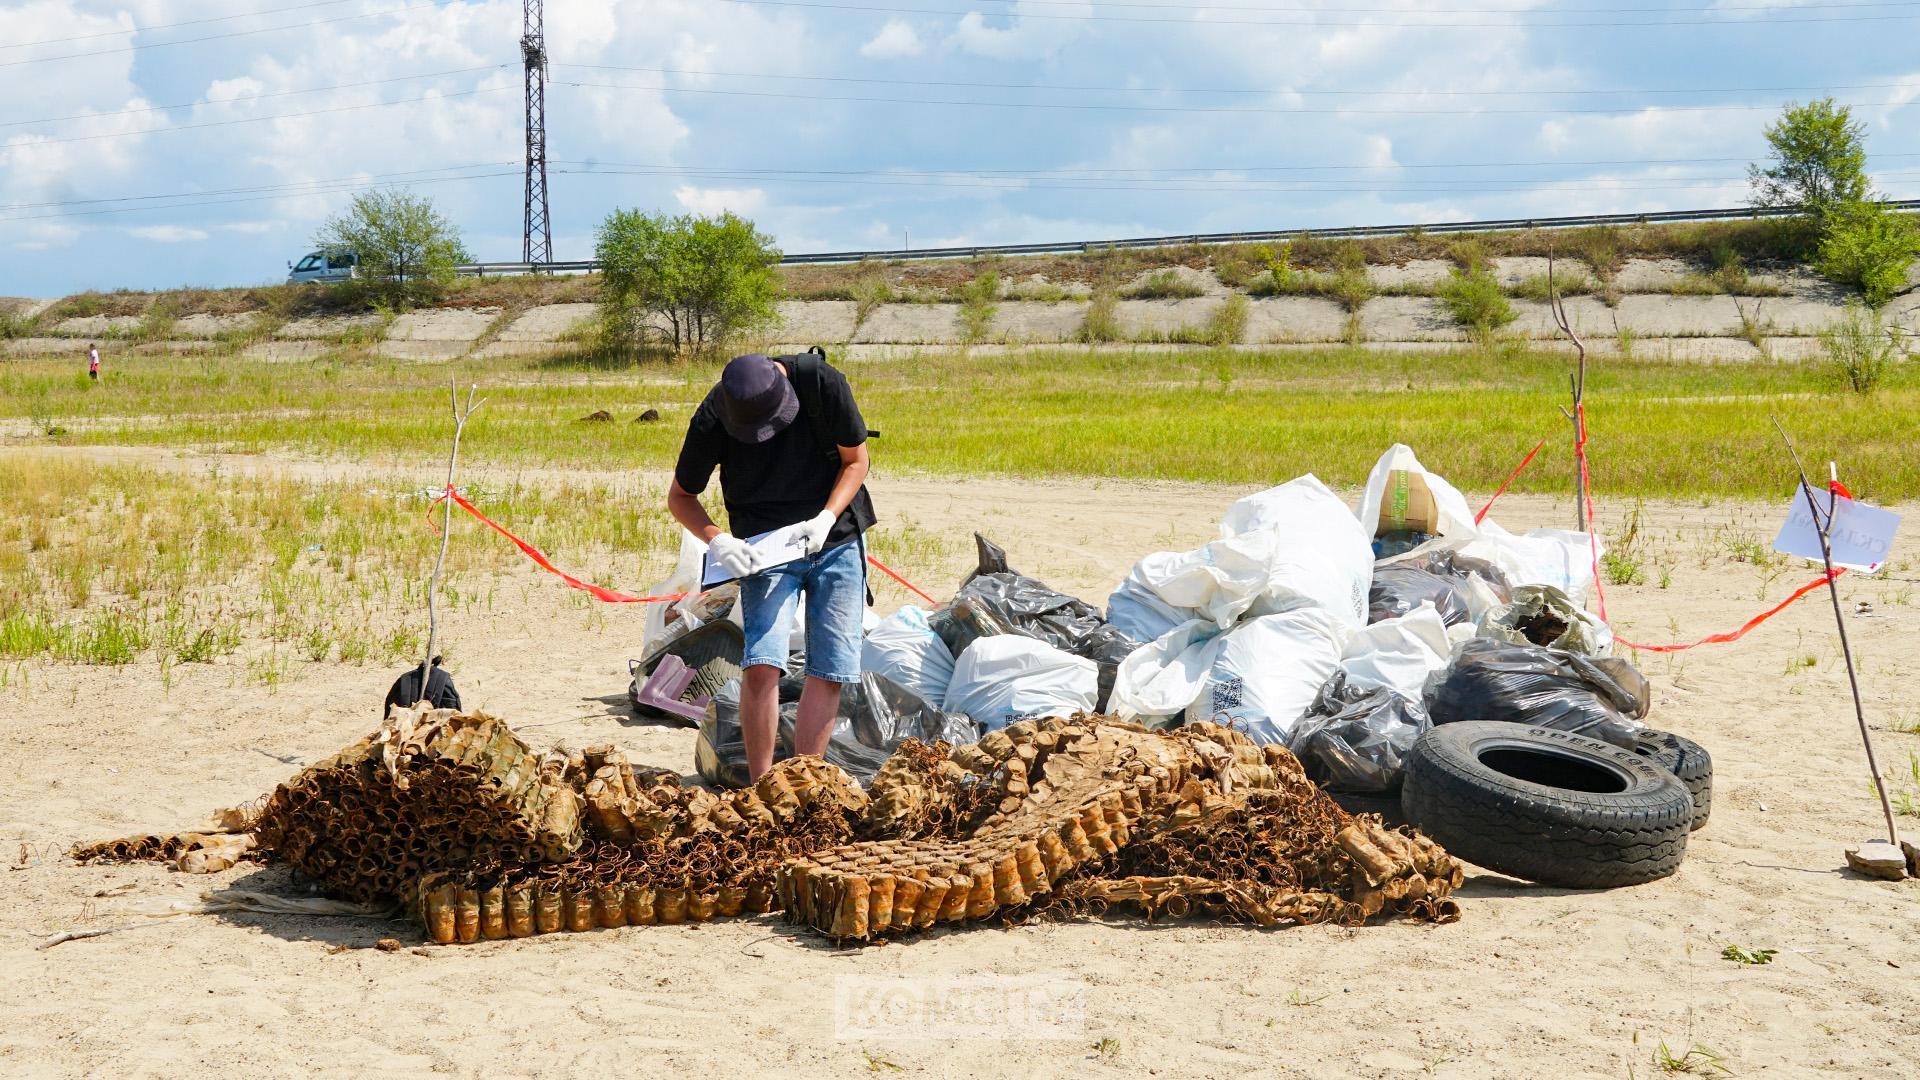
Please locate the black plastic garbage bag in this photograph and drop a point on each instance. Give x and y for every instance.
(887, 714)
(1023, 605)
(1398, 589)
(1449, 563)
(876, 715)
(1528, 684)
(1355, 739)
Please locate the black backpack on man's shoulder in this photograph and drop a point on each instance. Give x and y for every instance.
(808, 384)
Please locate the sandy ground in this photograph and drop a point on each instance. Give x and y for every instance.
(1532, 982)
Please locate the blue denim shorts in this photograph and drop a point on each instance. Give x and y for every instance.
(835, 583)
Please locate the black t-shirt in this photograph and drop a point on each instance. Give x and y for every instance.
(786, 479)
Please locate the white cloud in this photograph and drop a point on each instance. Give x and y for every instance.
(167, 234)
(1024, 38)
(709, 201)
(896, 39)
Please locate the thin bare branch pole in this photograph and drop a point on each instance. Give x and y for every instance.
(1577, 383)
(460, 418)
(1824, 522)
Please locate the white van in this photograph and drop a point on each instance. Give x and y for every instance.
(323, 267)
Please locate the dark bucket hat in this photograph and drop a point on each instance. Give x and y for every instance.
(756, 400)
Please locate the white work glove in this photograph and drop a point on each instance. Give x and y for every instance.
(732, 555)
(817, 527)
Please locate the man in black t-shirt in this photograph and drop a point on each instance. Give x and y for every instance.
(779, 467)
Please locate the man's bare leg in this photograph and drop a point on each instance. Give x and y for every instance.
(813, 726)
(760, 716)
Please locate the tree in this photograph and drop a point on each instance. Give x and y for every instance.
(403, 242)
(706, 280)
(1869, 246)
(1818, 160)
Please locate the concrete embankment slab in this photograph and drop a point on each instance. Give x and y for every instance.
(438, 334)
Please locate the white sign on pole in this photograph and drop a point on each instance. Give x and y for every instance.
(1862, 535)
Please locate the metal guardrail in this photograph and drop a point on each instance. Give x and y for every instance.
(1084, 246)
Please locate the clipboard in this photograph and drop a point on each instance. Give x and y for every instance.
(777, 547)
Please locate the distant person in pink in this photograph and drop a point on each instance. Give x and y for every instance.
(93, 362)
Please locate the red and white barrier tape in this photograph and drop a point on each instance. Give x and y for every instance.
(608, 595)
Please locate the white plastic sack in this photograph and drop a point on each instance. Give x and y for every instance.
(1311, 554)
(1135, 611)
(1456, 518)
(1266, 672)
(685, 578)
(907, 651)
(1004, 678)
(1558, 557)
(1398, 653)
(1162, 678)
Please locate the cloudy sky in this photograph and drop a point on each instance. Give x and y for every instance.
(149, 143)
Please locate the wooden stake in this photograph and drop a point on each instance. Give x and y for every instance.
(1824, 525)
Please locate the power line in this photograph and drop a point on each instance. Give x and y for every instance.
(615, 168)
(35, 140)
(823, 5)
(358, 178)
(217, 37)
(254, 119)
(1238, 90)
(1081, 106)
(323, 190)
(253, 97)
(1026, 184)
(169, 26)
(1434, 10)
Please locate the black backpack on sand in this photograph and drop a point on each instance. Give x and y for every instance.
(406, 690)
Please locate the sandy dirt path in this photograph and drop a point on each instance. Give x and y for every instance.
(1532, 982)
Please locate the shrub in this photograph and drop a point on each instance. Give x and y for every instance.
(1475, 301)
(1869, 247)
(1350, 285)
(1861, 349)
(708, 279)
(1100, 323)
(406, 247)
(977, 306)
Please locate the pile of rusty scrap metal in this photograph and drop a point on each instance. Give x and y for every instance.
(482, 838)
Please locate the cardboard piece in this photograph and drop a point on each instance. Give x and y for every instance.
(1408, 505)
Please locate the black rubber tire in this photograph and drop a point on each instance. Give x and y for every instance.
(1689, 762)
(1546, 831)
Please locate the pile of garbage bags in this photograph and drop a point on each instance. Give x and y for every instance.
(1338, 633)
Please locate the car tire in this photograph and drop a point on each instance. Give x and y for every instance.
(1545, 805)
(1686, 760)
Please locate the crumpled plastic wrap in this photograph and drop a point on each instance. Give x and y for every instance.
(1543, 615)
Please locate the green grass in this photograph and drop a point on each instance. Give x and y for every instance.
(1163, 285)
(1658, 428)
